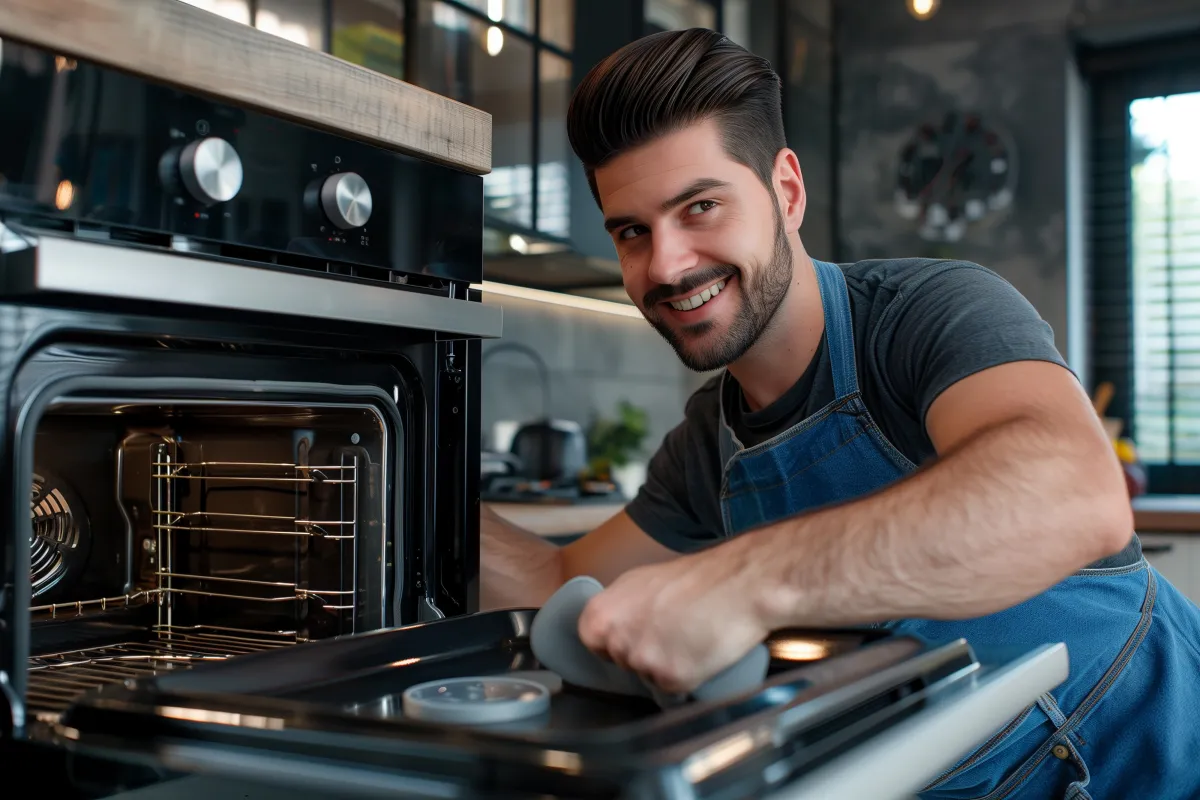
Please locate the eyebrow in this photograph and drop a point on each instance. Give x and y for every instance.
(696, 187)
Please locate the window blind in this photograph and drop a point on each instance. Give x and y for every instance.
(1144, 235)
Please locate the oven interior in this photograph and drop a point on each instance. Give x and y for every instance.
(170, 534)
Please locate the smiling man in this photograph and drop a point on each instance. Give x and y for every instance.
(894, 442)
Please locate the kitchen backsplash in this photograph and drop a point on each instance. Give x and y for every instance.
(594, 360)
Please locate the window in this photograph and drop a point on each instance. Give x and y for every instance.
(300, 21)
(369, 33)
(510, 58)
(1145, 254)
(1165, 251)
(236, 10)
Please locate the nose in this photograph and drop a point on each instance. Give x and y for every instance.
(671, 256)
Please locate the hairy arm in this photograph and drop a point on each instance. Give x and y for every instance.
(1026, 490)
(520, 569)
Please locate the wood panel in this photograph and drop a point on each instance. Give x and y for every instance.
(1167, 514)
(183, 46)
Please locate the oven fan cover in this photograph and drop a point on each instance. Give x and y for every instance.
(59, 534)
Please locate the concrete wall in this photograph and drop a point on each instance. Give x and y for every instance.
(1009, 60)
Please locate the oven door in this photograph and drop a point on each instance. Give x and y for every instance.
(840, 715)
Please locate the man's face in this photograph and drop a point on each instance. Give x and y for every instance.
(701, 242)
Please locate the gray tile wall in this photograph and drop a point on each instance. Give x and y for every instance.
(594, 361)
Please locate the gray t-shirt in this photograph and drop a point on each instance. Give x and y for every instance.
(920, 325)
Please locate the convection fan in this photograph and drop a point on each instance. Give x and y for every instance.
(58, 541)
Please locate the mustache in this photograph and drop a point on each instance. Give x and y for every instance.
(694, 280)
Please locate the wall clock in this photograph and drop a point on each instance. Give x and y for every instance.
(954, 173)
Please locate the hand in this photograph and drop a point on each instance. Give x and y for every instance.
(678, 623)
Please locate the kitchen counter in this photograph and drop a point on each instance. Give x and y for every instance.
(555, 521)
(1152, 514)
(1167, 513)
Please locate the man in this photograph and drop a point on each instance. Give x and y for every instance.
(891, 442)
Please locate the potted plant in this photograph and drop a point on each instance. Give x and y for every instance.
(613, 443)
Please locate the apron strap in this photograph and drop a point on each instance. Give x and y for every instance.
(839, 327)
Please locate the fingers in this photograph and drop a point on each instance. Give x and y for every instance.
(610, 629)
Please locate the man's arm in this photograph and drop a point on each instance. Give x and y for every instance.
(1025, 491)
(520, 569)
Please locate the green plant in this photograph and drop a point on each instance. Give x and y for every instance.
(613, 442)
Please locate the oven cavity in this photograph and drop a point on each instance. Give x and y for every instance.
(166, 535)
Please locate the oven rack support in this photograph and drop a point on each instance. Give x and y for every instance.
(170, 519)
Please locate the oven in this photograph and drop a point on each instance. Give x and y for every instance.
(240, 365)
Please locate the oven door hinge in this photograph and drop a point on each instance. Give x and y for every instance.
(428, 610)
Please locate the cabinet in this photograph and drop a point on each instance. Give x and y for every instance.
(1177, 557)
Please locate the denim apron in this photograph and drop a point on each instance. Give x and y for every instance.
(1125, 724)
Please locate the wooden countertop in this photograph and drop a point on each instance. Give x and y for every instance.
(1167, 513)
(183, 46)
(557, 520)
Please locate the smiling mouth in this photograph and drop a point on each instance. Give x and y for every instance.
(698, 299)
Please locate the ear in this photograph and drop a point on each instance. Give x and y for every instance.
(789, 189)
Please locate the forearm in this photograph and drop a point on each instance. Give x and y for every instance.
(517, 568)
(1007, 515)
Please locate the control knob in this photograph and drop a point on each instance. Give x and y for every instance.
(211, 170)
(346, 200)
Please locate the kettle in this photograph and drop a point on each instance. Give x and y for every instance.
(552, 450)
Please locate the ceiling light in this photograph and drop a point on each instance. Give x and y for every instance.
(495, 41)
(923, 9)
(64, 195)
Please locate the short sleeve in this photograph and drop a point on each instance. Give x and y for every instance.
(955, 320)
(678, 505)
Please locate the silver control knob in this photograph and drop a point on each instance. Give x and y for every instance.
(346, 200)
(211, 170)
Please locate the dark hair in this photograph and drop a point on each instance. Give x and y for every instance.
(664, 82)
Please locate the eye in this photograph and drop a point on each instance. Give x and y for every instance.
(702, 205)
(631, 231)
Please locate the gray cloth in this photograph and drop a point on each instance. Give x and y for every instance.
(920, 325)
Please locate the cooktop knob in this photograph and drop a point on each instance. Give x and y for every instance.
(346, 199)
(211, 170)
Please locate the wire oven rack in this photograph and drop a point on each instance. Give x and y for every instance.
(57, 679)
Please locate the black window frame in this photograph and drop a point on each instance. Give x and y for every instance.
(1115, 77)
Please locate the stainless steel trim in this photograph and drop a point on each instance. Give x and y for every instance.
(896, 764)
(55, 264)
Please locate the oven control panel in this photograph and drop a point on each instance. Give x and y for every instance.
(92, 146)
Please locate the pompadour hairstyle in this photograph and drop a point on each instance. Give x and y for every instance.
(667, 81)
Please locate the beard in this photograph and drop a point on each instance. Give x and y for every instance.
(760, 298)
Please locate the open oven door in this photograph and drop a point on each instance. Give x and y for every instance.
(840, 714)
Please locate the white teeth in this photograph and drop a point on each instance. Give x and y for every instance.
(697, 300)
